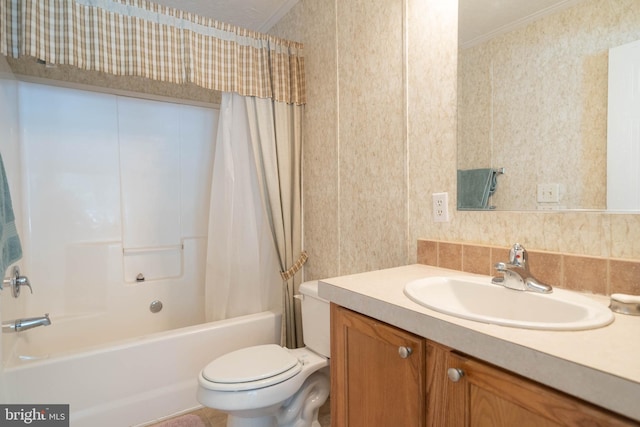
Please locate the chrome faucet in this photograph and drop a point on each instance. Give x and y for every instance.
(16, 281)
(516, 274)
(25, 324)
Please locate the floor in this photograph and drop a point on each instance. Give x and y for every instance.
(207, 417)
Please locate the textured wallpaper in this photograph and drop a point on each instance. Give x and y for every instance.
(347, 232)
(354, 168)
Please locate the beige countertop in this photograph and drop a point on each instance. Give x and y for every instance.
(601, 365)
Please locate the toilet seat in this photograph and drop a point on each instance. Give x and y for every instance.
(251, 368)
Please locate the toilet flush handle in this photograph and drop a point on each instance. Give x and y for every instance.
(404, 352)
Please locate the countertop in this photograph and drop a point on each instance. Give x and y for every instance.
(601, 366)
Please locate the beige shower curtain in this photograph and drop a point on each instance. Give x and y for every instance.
(276, 135)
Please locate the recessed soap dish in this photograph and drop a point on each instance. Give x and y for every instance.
(625, 304)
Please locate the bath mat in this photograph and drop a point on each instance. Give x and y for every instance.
(188, 420)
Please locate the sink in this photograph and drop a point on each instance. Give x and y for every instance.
(476, 298)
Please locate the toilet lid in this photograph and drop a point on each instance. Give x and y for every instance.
(261, 366)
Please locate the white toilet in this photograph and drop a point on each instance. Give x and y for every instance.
(269, 385)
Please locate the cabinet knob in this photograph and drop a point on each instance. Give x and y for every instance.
(455, 374)
(404, 352)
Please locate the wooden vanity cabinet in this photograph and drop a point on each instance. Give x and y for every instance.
(373, 385)
(377, 373)
(462, 391)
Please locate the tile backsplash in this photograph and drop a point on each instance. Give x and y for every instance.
(581, 273)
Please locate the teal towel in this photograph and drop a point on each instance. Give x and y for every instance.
(9, 240)
(474, 188)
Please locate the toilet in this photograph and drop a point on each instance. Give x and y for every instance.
(269, 385)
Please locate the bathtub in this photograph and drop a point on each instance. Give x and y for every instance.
(131, 382)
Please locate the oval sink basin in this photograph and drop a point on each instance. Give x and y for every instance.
(476, 298)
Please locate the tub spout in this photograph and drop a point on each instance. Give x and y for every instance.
(24, 324)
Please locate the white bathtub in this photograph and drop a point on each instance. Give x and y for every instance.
(133, 381)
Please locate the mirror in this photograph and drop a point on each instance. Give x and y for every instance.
(532, 99)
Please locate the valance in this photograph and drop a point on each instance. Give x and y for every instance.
(144, 39)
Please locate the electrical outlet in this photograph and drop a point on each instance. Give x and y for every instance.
(440, 207)
(548, 193)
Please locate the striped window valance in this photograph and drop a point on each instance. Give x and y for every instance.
(144, 39)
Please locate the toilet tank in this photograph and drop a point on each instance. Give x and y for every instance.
(315, 319)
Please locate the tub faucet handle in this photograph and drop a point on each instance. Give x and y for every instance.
(16, 281)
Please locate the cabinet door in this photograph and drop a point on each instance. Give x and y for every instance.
(446, 400)
(483, 395)
(377, 373)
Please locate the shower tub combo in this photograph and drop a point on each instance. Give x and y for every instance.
(116, 193)
(128, 382)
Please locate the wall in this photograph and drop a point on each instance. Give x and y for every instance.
(354, 170)
(112, 186)
(427, 127)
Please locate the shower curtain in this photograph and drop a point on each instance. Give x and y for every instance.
(255, 237)
(242, 266)
(276, 134)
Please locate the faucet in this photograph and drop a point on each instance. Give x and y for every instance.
(24, 324)
(516, 274)
(15, 281)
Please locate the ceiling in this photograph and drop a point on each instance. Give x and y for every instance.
(479, 19)
(257, 15)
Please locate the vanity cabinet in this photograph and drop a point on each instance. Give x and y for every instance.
(377, 373)
(463, 391)
(382, 376)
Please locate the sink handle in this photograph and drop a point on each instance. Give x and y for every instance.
(518, 256)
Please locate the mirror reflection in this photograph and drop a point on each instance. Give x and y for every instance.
(533, 101)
